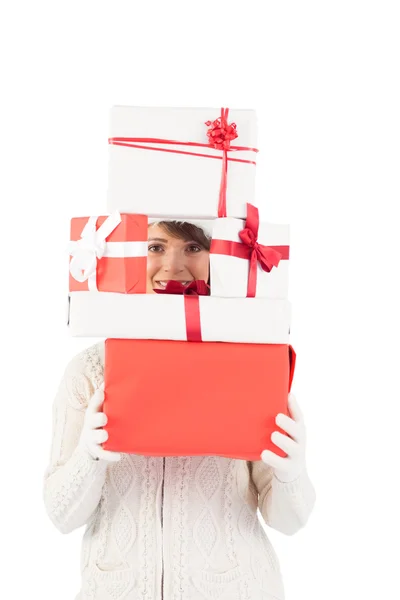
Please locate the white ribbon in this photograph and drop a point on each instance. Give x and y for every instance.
(91, 248)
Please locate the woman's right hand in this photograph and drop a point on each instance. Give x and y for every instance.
(93, 434)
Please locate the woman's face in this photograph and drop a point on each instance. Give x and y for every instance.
(173, 258)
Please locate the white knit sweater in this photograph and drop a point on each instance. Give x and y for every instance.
(173, 528)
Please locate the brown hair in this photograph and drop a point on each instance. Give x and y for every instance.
(187, 232)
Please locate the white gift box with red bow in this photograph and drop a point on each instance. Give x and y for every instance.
(248, 263)
(181, 162)
(178, 317)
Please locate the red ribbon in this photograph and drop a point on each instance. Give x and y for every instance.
(220, 134)
(192, 291)
(250, 249)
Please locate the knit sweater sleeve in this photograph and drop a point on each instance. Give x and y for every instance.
(285, 507)
(73, 480)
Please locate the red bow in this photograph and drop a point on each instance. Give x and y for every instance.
(220, 134)
(194, 288)
(265, 255)
(192, 291)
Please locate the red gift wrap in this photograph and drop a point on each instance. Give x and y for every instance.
(120, 265)
(174, 398)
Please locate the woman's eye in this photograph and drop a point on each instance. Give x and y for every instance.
(155, 248)
(194, 248)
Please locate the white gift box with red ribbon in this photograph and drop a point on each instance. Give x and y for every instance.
(181, 162)
(179, 317)
(248, 258)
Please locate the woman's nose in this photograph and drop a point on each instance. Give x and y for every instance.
(173, 262)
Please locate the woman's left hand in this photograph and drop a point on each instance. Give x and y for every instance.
(290, 467)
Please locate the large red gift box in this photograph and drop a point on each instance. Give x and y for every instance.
(174, 398)
(113, 252)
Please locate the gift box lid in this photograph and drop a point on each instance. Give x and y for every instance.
(179, 123)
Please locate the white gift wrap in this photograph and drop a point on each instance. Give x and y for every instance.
(229, 275)
(162, 317)
(174, 185)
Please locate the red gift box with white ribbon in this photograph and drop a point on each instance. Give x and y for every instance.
(108, 253)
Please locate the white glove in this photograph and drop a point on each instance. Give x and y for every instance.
(92, 435)
(290, 467)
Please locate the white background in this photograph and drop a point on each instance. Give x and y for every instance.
(324, 79)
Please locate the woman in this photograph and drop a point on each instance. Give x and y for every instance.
(176, 527)
(177, 250)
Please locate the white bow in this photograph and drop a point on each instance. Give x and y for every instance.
(90, 248)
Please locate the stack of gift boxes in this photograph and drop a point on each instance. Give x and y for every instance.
(203, 368)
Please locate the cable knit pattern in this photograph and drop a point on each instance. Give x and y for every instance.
(228, 514)
(180, 557)
(212, 546)
(146, 528)
(73, 480)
